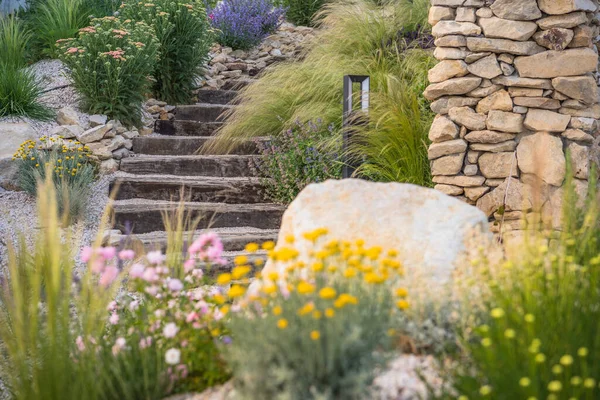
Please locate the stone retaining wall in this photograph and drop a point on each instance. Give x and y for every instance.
(515, 91)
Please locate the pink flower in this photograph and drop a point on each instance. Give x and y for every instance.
(145, 342)
(136, 271)
(72, 50)
(198, 273)
(150, 275)
(86, 254)
(159, 313)
(134, 305)
(126, 254)
(112, 306)
(109, 276)
(97, 266)
(170, 330)
(151, 290)
(79, 343)
(191, 317)
(202, 306)
(114, 319)
(155, 257)
(207, 246)
(218, 315)
(189, 265)
(108, 252)
(175, 285)
(119, 345)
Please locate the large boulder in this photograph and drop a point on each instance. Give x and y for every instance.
(430, 230)
(12, 134)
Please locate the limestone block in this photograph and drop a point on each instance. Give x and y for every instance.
(437, 150)
(488, 137)
(537, 102)
(563, 21)
(498, 165)
(479, 44)
(583, 88)
(515, 80)
(465, 116)
(455, 86)
(442, 129)
(554, 38)
(556, 7)
(446, 70)
(487, 67)
(448, 165)
(580, 160)
(451, 41)
(552, 64)
(504, 121)
(67, 116)
(577, 135)
(520, 10)
(509, 145)
(499, 100)
(437, 14)
(444, 104)
(541, 155)
(507, 29)
(444, 28)
(459, 180)
(547, 121)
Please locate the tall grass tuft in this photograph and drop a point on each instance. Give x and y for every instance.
(359, 38)
(44, 307)
(13, 41)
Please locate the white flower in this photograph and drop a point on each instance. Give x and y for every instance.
(134, 305)
(173, 356)
(170, 330)
(155, 257)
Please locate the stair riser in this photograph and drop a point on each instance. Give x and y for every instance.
(229, 244)
(152, 220)
(230, 167)
(200, 113)
(216, 96)
(244, 192)
(186, 128)
(164, 146)
(235, 84)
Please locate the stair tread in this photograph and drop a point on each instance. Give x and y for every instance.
(225, 234)
(187, 180)
(153, 205)
(146, 157)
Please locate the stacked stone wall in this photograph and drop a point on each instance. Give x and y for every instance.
(515, 90)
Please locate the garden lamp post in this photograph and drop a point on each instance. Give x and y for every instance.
(353, 118)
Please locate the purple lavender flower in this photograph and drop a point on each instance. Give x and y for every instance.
(242, 24)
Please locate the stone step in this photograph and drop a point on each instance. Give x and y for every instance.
(236, 84)
(143, 216)
(182, 145)
(197, 165)
(234, 239)
(202, 112)
(186, 128)
(216, 96)
(195, 189)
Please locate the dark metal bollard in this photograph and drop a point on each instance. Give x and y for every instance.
(351, 118)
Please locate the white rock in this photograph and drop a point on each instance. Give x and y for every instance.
(67, 116)
(97, 120)
(66, 131)
(94, 134)
(431, 231)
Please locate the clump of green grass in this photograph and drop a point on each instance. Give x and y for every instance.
(356, 38)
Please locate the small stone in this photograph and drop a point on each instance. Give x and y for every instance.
(130, 134)
(488, 137)
(583, 36)
(66, 131)
(585, 124)
(552, 64)
(444, 104)
(507, 69)
(515, 80)
(554, 38)
(520, 10)
(437, 14)
(484, 12)
(582, 88)
(577, 135)
(444, 28)
(459, 180)
(506, 58)
(484, 91)
(524, 92)
(537, 102)
(499, 100)
(448, 165)
(120, 153)
(97, 120)
(471, 170)
(442, 129)
(108, 167)
(450, 190)
(507, 29)
(473, 156)
(465, 14)
(498, 165)
(520, 110)
(509, 145)
(450, 53)
(455, 86)
(541, 154)
(114, 143)
(94, 134)
(67, 116)
(99, 150)
(475, 193)
(563, 21)
(547, 121)
(493, 182)
(472, 57)
(556, 7)
(591, 112)
(576, 104)
(446, 70)
(580, 160)
(437, 150)
(528, 48)
(145, 131)
(451, 41)
(504, 121)
(465, 116)
(487, 67)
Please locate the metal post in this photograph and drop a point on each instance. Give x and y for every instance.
(349, 118)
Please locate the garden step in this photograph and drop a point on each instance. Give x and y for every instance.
(197, 165)
(182, 145)
(236, 84)
(196, 189)
(216, 96)
(186, 128)
(202, 112)
(143, 216)
(234, 239)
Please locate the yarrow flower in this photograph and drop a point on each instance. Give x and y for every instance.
(173, 356)
(170, 330)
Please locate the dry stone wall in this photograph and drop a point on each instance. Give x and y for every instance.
(515, 90)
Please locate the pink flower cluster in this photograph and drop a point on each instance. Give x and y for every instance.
(116, 54)
(103, 261)
(207, 248)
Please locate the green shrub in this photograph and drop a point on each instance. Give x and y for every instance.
(293, 160)
(110, 63)
(357, 38)
(20, 91)
(13, 42)
(317, 329)
(302, 12)
(72, 172)
(535, 332)
(185, 37)
(52, 20)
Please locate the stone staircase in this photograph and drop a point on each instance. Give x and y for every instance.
(221, 189)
